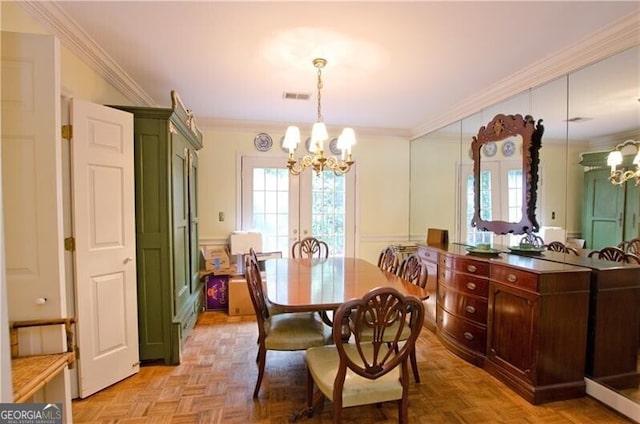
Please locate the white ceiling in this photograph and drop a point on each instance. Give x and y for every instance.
(395, 66)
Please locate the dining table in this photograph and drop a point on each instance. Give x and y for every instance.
(323, 284)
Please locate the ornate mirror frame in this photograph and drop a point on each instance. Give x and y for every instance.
(500, 128)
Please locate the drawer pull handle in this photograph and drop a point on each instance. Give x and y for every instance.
(468, 335)
(471, 268)
(470, 309)
(512, 278)
(471, 286)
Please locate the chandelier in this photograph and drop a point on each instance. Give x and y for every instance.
(615, 158)
(317, 160)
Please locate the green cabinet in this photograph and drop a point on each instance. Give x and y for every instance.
(170, 293)
(611, 213)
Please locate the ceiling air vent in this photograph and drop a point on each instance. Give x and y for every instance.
(295, 96)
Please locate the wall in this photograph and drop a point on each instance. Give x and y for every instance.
(382, 175)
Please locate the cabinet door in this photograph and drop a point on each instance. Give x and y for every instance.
(193, 221)
(512, 330)
(180, 207)
(603, 210)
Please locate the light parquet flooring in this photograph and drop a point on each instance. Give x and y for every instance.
(215, 381)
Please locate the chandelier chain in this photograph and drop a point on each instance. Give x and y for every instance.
(320, 118)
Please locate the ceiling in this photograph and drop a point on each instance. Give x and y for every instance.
(392, 66)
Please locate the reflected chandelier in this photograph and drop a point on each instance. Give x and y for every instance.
(319, 135)
(615, 158)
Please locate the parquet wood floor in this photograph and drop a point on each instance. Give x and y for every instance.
(214, 384)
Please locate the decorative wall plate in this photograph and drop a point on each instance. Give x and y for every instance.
(489, 149)
(263, 142)
(333, 146)
(508, 148)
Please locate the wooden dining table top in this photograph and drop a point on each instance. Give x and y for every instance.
(324, 284)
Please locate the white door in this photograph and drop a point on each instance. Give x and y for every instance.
(104, 231)
(31, 190)
(286, 208)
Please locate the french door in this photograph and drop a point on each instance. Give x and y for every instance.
(286, 208)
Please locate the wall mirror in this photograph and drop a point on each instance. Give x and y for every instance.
(518, 138)
(590, 109)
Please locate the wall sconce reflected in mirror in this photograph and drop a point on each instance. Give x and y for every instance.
(619, 174)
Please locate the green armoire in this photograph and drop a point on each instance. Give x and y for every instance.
(611, 213)
(170, 293)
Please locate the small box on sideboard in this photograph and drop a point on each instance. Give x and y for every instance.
(436, 237)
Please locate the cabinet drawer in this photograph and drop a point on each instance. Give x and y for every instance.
(470, 307)
(465, 333)
(515, 277)
(465, 283)
(466, 265)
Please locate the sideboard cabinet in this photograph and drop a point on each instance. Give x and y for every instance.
(461, 316)
(537, 328)
(170, 293)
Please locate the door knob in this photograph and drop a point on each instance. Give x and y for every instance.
(127, 259)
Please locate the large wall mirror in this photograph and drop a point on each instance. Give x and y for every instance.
(590, 109)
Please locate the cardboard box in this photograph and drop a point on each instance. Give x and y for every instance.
(239, 299)
(216, 292)
(215, 257)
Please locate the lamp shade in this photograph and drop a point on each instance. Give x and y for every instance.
(614, 159)
(318, 135)
(291, 138)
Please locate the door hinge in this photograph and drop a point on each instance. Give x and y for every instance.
(67, 132)
(70, 244)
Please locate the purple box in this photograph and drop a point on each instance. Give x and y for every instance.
(217, 291)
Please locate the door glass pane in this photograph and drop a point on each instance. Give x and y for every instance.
(514, 187)
(328, 211)
(270, 214)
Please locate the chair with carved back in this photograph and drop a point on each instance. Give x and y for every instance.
(286, 331)
(532, 240)
(367, 371)
(631, 246)
(310, 247)
(558, 246)
(615, 254)
(388, 260)
(413, 270)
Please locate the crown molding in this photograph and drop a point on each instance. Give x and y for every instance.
(214, 124)
(611, 40)
(52, 17)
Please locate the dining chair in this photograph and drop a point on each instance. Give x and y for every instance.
(631, 246)
(310, 247)
(361, 372)
(413, 270)
(388, 260)
(532, 240)
(615, 254)
(286, 331)
(558, 246)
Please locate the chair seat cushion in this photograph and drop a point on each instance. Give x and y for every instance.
(323, 363)
(296, 331)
